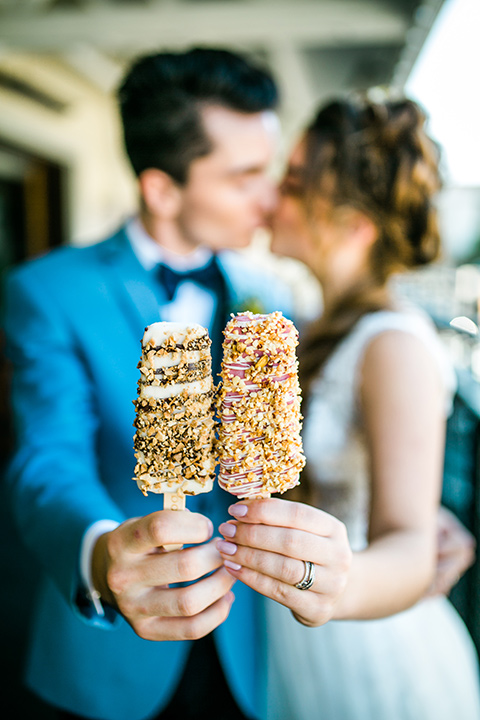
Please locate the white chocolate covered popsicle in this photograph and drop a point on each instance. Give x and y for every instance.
(258, 403)
(174, 413)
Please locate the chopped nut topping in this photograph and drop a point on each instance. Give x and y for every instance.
(174, 436)
(258, 405)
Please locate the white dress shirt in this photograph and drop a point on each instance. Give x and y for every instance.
(191, 302)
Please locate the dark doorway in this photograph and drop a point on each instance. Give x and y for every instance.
(32, 220)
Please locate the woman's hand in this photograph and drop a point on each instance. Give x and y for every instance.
(267, 547)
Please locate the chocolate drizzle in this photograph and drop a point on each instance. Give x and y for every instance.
(174, 435)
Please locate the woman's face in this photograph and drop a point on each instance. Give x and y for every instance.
(308, 236)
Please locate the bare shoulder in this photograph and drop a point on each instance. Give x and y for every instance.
(397, 360)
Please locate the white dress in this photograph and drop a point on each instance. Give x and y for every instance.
(420, 664)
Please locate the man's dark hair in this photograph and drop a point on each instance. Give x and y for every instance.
(161, 97)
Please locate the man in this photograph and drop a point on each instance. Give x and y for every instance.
(199, 130)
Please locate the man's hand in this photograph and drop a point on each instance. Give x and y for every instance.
(132, 572)
(455, 552)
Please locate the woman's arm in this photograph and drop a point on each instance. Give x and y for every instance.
(402, 406)
(401, 403)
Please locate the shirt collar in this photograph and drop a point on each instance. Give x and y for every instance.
(150, 253)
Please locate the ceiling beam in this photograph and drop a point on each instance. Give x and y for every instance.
(95, 66)
(130, 28)
(25, 4)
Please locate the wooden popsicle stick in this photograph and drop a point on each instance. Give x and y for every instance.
(172, 501)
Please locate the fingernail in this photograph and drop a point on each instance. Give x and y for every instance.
(210, 527)
(232, 565)
(238, 511)
(228, 529)
(226, 547)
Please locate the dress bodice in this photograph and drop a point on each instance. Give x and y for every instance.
(333, 433)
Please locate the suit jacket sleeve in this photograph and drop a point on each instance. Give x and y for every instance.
(53, 480)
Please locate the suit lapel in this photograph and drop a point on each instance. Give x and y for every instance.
(237, 298)
(136, 290)
(230, 289)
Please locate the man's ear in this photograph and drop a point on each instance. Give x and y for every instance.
(161, 194)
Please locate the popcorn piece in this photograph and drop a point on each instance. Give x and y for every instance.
(258, 403)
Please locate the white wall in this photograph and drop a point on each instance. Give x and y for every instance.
(85, 138)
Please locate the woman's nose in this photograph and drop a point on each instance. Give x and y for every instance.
(269, 198)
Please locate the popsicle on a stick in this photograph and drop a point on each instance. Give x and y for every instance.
(259, 444)
(174, 413)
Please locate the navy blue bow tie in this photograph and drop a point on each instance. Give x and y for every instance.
(209, 276)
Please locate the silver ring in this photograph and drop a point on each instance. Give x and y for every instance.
(309, 577)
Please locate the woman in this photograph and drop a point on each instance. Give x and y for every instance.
(357, 204)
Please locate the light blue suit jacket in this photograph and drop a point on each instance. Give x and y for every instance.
(74, 320)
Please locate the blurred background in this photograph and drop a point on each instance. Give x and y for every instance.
(64, 177)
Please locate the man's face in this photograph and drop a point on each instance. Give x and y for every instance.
(229, 193)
